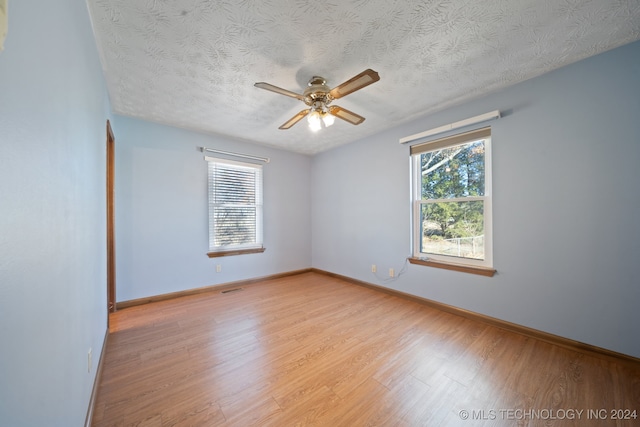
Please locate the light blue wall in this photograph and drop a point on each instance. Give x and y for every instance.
(162, 216)
(566, 203)
(53, 110)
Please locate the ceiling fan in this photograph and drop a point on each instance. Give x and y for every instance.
(318, 96)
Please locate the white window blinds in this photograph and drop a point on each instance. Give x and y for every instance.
(235, 205)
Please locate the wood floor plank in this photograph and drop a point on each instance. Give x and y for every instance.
(311, 408)
(314, 350)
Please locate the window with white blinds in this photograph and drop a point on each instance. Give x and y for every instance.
(235, 205)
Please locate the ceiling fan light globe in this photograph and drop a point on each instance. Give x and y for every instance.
(315, 126)
(313, 116)
(328, 119)
(315, 123)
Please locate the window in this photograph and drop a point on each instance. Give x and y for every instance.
(451, 192)
(235, 207)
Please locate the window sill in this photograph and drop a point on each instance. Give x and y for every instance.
(483, 271)
(235, 252)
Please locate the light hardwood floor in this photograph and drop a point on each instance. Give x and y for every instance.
(312, 350)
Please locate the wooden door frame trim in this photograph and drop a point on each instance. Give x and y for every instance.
(111, 261)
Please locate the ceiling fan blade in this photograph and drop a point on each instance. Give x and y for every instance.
(346, 115)
(363, 79)
(276, 89)
(295, 119)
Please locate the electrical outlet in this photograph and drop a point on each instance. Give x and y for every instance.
(392, 272)
(374, 268)
(89, 355)
(218, 268)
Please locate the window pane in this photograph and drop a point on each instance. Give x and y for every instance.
(456, 171)
(453, 228)
(234, 225)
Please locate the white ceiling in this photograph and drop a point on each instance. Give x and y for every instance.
(193, 63)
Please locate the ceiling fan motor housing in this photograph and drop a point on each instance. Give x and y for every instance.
(317, 94)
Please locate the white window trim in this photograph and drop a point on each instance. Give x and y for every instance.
(416, 229)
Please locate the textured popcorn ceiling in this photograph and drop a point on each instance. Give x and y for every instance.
(193, 63)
